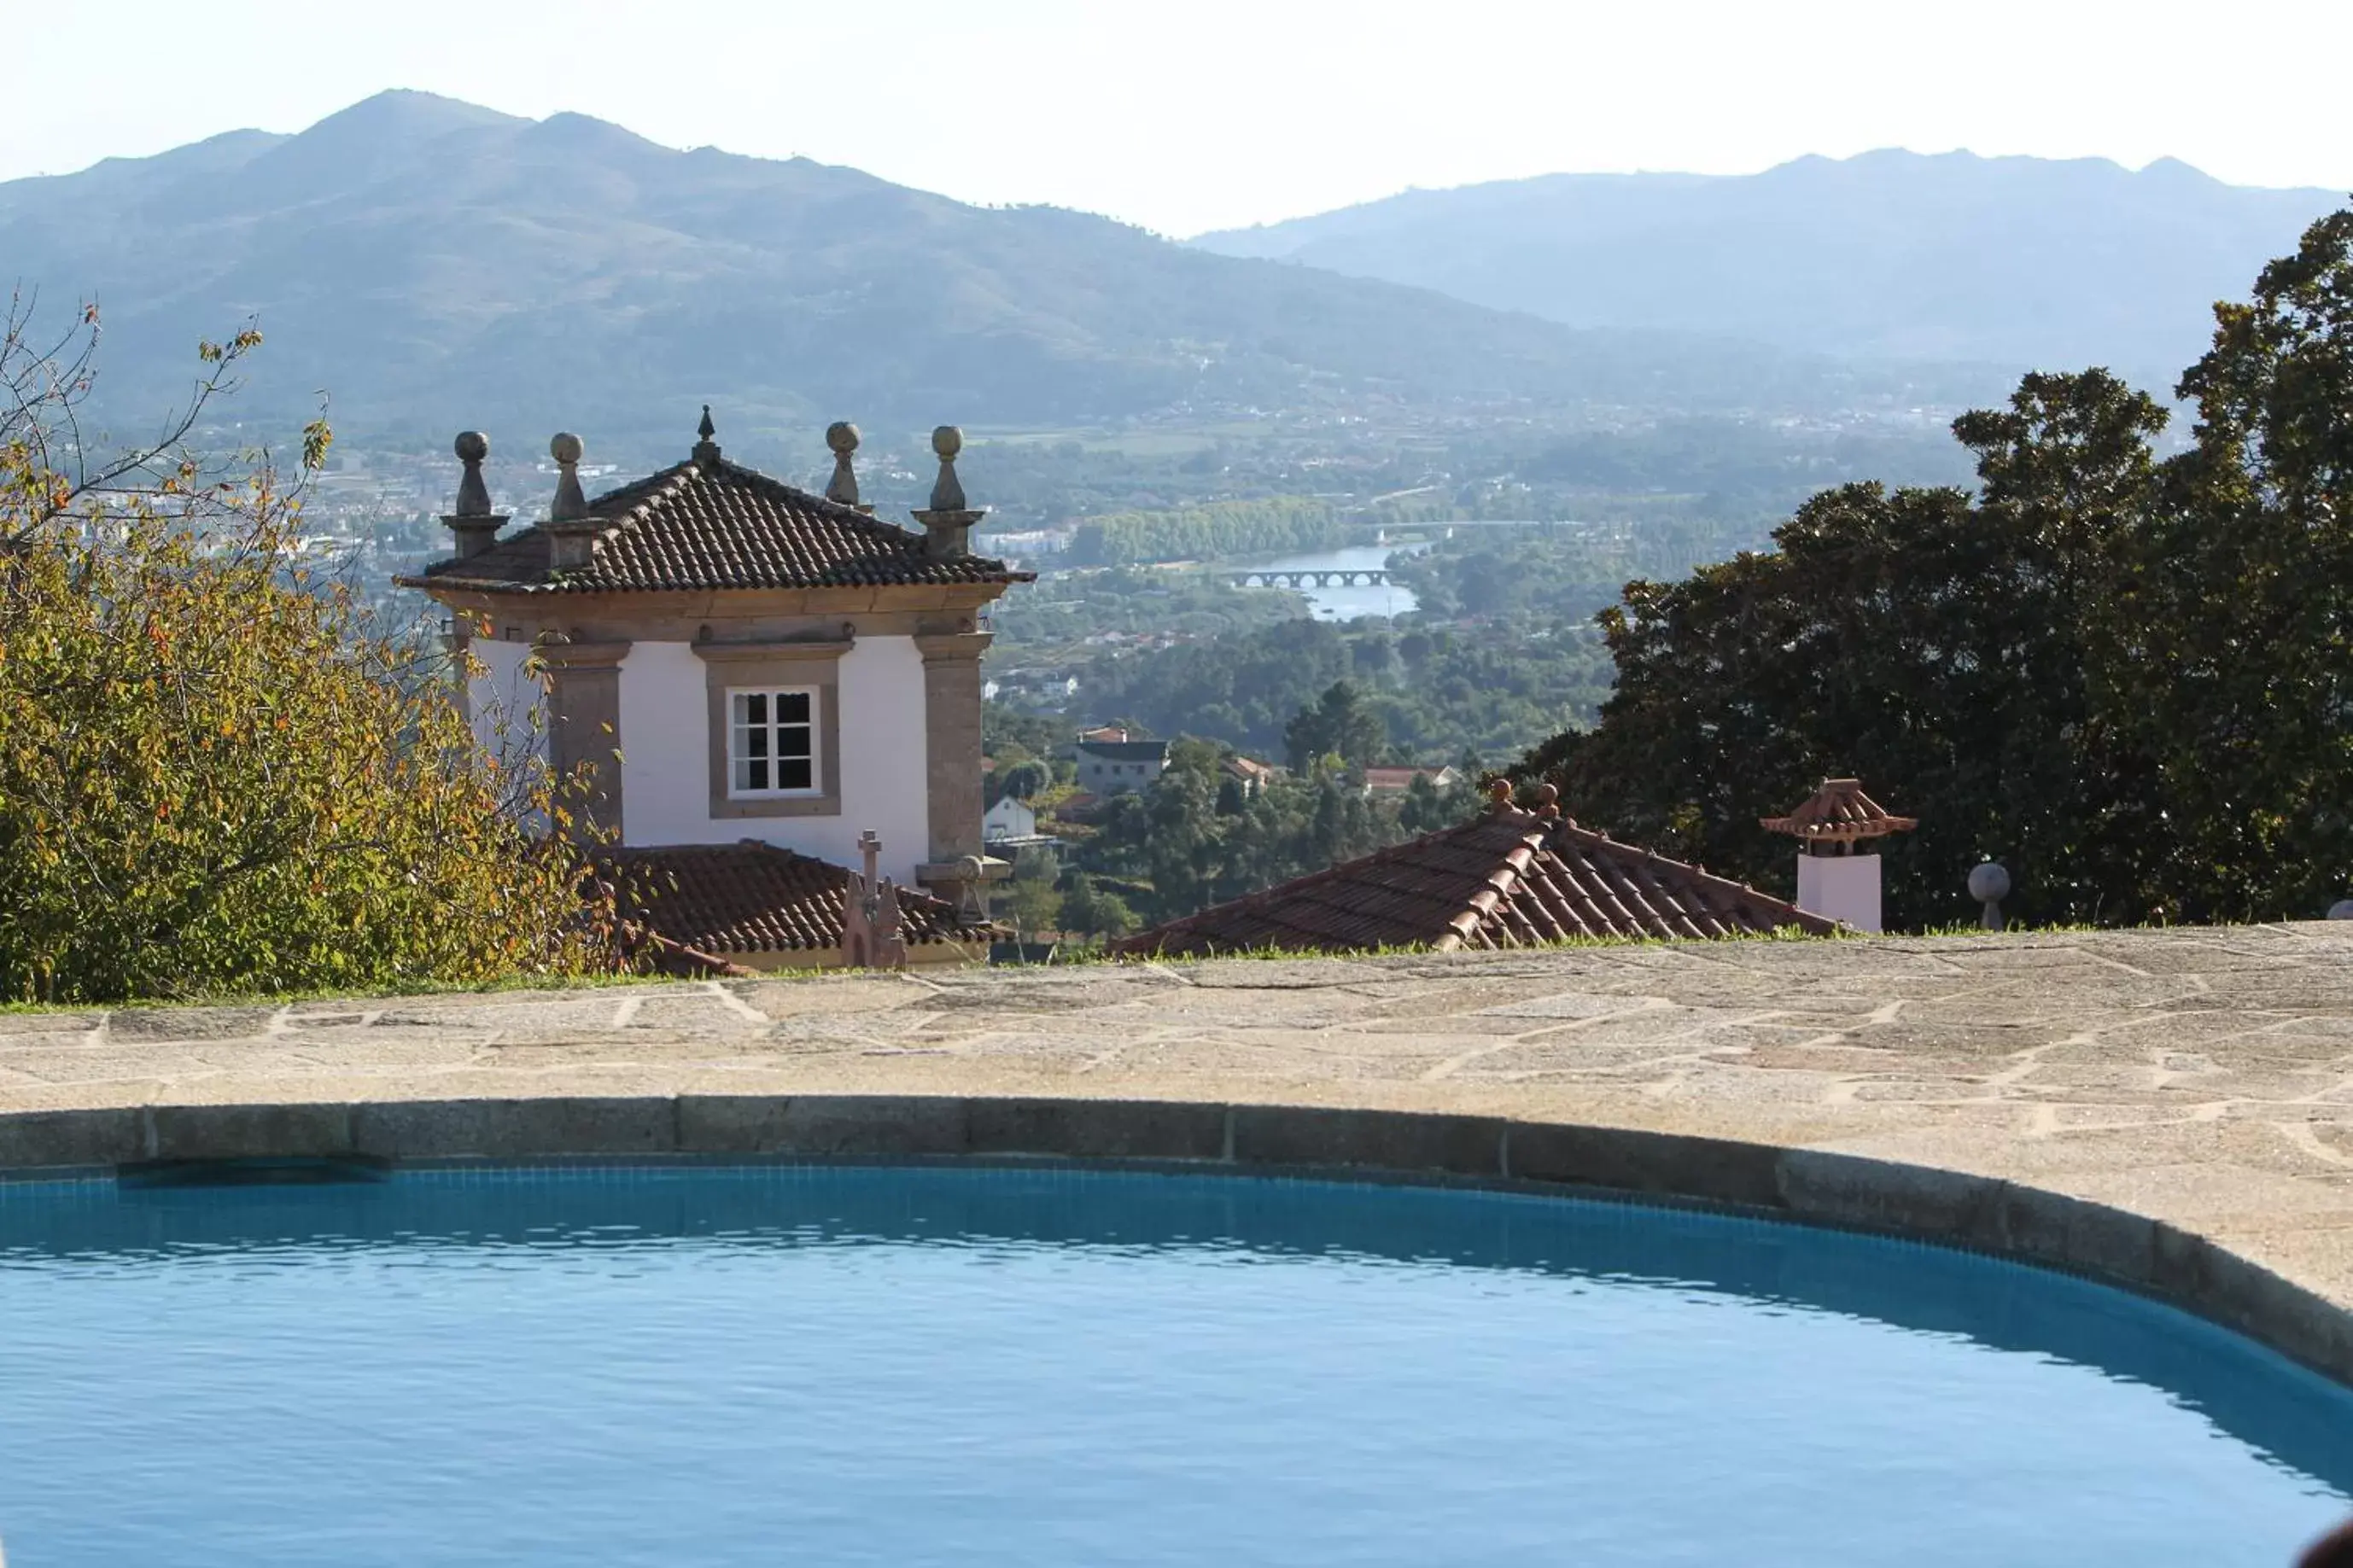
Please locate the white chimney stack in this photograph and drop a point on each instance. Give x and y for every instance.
(1835, 879)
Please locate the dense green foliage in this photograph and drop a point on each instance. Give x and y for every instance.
(2130, 678)
(1436, 691)
(1565, 572)
(1197, 839)
(1216, 531)
(1063, 609)
(213, 777)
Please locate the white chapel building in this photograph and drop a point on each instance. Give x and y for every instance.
(761, 677)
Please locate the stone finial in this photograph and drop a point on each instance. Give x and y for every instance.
(1499, 794)
(571, 531)
(841, 436)
(1548, 801)
(473, 495)
(947, 522)
(947, 492)
(570, 503)
(474, 524)
(706, 451)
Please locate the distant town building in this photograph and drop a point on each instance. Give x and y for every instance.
(1009, 819)
(1397, 780)
(1117, 766)
(1508, 877)
(762, 680)
(1249, 771)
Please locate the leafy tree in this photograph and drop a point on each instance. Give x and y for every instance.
(1340, 725)
(2130, 678)
(1090, 911)
(214, 776)
(2233, 613)
(1034, 901)
(1024, 780)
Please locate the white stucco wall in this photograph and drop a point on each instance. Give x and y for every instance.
(1840, 887)
(666, 758)
(504, 703)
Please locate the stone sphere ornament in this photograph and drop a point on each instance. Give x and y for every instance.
(565, 447)
(948, 441)
(1990, 883)
(472, 446)
(841, 438)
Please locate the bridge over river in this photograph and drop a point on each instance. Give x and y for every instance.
(1284, 577)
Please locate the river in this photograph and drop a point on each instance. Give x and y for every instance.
(1336, 603)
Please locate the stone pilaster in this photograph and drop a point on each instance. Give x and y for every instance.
(952, 764)
(584, 722)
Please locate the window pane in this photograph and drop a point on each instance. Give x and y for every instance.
(792, 707)
(792, 741)
(794, 775)
(755, 707)
(755, 775)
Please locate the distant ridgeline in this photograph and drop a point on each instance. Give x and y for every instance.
(1211, 533)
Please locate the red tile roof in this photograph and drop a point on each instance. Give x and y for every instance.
(721, 899)
(1508, 877)
(712, 523)
(1837, 811)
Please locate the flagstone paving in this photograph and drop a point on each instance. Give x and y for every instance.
(2200, 1077)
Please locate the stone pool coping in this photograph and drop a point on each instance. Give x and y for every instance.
(2172, 1112)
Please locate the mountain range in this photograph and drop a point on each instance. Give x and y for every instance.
(2021, 262)
(429, 264)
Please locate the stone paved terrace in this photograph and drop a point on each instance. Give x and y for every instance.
(2201, 1078)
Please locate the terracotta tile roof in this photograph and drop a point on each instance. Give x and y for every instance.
(721, 899)
(712, 524)
(1839, 810)
(1506, 878)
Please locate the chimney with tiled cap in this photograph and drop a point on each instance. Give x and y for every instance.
(947, 522)
(474, 523)
(1835, 879)
(571, 531)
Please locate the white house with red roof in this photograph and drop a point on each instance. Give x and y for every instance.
(740, 663)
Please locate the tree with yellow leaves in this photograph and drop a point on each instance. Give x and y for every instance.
(217, 774)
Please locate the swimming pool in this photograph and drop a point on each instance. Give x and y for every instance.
(978, 1365)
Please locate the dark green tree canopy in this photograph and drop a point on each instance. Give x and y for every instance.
(2130, 678)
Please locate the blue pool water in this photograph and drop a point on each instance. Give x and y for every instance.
(848, 1365)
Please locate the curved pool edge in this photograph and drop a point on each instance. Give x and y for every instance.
(1989, 1214)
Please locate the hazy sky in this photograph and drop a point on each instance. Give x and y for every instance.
(1191, 114)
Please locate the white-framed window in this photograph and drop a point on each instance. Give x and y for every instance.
(772, 745)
